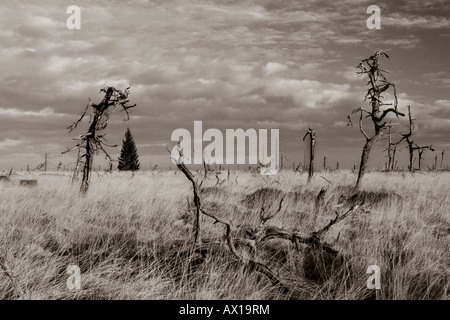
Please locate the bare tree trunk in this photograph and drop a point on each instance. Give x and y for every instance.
(365, 158)
(89, 156)
(389, 148)
(190, 177)
(393, 158)
(411, 155)
(312, 142)
(420, 159)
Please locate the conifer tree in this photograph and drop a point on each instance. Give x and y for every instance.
(128, 159)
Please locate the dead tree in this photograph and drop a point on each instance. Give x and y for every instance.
(392, 147)
(377, 85)
(442, 158)
(91, 141)
(411, 145)
(207, 169)
(420, 151)
(195, 188)
(409, 141)
(393, 162)
(312, 143)
(282, 158)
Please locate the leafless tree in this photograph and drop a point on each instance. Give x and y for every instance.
(92, 142)
(408, 138)
(411, 145)
(312, 143)
(282, 158)
(195, 188)
(392, 147)
(378, 84)
(442, 158)
(420, 150)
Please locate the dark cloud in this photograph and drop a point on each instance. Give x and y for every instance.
(233, 64)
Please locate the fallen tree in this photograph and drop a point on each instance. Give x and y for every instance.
(255, 238)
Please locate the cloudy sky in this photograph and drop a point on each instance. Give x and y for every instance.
(230, 63)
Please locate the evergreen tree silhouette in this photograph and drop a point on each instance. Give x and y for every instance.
(128, 159)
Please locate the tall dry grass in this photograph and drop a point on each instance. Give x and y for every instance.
(130, 234)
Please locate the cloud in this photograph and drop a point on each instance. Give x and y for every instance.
(7, 143)
(349, 74)
(274, 67)
(440, 79)
(308, 93)
(403, 43)
(18, 113)
(232, 64)
(443, 103)
(414, 21)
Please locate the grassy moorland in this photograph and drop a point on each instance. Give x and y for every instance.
(129, 236)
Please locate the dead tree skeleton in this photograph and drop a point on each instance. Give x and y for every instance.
(312, 143)
(411, 145)
(262, 233)
(420, 151)
(409, 141)
(442, 158)
(378, 84)
(92, 142)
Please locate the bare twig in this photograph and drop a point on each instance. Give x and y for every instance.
(7, 270)
(266, 217)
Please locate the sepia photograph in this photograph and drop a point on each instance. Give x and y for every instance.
(224, 150)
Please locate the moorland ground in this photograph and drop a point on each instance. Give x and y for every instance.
(129, 236)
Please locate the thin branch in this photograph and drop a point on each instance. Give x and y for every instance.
(360, 125)
(264, 218)
(75, 124)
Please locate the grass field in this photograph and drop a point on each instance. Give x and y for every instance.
(129, 236)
